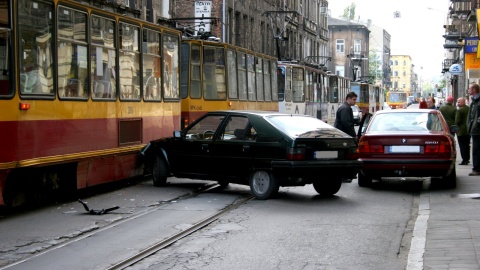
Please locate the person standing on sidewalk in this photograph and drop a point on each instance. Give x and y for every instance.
(461, 118)
(448, 111)
(474, 127)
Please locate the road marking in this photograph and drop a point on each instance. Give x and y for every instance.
(417, 247)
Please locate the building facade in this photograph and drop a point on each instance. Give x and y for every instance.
(349, 49)
(403, 75)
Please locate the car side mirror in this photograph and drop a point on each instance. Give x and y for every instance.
(454, 129)
(177, 134)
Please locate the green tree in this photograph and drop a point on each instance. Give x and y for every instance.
(374, 67)
(349, 12)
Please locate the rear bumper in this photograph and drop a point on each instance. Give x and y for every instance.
(407, 168)
(315, 169)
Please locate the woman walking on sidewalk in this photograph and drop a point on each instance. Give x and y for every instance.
(474, 127)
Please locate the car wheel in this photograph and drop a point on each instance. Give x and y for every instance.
(263, 185)
(328, 188)
(363, 180)
(223, 183)
(450, 181)
(159, 172)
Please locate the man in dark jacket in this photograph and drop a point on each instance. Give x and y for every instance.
(448, 111)
(344, 116)
(474, 127)
(461, 118)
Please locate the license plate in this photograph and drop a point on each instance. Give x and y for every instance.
(404, 149)
(325, 154)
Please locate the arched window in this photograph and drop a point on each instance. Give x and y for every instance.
(391, 63)
(396, 62)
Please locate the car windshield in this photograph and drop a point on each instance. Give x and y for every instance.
(304, 126)
(402, 121)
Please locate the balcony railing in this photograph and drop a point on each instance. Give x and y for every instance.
(447, 63)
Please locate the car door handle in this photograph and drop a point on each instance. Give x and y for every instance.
(205, 147)
(246, 148)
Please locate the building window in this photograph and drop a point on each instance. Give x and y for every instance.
(404, 85)
(395, 73)
(340, 71)
(357, 46)
(391, 63)
(404, 62)
(396, 62)
(340, 45)
(404, 73)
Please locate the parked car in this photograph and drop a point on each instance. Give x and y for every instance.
(407, 143)
(357, 115)
(265, 150)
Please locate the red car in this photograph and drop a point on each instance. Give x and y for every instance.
(407, 143)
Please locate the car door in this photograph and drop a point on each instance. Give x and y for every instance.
(362, 127)
(191, 153)
(231, 152)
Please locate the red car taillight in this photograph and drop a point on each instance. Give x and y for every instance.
(365, 147)
(295, 153)
(441, 148)
(352, 154)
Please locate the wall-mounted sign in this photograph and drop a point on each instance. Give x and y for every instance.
(202, 9)
(455, 69)
(471, 44)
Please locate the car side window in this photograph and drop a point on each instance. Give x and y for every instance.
(205, 128)
(238, 128)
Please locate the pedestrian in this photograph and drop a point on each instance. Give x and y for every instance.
(344, 115)
(344, 119)
(422, 104)
(448, 111)
(473, 126)
(431, 103)
(461, 118)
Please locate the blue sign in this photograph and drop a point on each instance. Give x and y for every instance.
(455, 69)
(471, 44)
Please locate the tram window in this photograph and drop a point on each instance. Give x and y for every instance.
(184, 66)
(298, 85)
(242, 76)
(151, 65)
(275, 91)
(103, 84)
(129, 63)
(5, 50)
(232, 74)
(267, 79)
(5, 75)
(259, 79)
(72, 54)
(214, 73)
(36, 47)
(195, 76)
(251, 77)
(170, 67)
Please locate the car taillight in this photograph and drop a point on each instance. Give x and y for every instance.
(441, 148)
(365, 147)
(296, 154)
(352, 153)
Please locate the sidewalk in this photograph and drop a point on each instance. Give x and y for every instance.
(447, 229)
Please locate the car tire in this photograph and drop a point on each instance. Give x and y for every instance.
(263, 185)
(450, 181)
(329, 187)
(159, 172)
(364, 181)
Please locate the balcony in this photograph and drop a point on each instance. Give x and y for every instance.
(452, 44)
(453, 32)
(447, 63)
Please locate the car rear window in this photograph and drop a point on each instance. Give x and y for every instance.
(303, 126)
(401, 121)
